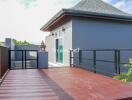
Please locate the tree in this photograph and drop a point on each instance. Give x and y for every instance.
(16, 42)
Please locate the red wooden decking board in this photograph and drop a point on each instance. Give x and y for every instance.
(29, 85)
(61, 84)
(85, 85)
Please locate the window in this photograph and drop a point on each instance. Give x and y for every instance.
(58, 34)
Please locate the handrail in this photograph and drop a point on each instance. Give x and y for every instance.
(116, 57)
(104, 49)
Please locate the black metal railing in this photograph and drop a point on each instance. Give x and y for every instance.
(118, 56)
(23, 57)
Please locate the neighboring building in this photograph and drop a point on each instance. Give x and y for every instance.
(91, 24)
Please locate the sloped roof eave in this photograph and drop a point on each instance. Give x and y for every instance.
(85, 14)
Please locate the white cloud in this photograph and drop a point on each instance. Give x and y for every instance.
(125, 5)
(22, 23)
(108, 1)
(120, 4)
(105, 0)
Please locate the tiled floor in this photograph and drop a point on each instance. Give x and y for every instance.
(61, 84)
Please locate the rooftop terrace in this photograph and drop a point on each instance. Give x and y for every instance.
(61, 84)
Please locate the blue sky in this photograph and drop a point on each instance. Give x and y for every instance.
(125, 5)
(22, 19)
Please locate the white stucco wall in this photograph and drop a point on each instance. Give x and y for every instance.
(49, 41)
(67, 42)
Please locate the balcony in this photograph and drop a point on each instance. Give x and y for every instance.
(71, 83)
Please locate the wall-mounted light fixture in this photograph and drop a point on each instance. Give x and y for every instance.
(52, 34)
(63, 29)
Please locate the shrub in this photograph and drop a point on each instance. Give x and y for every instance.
(126, 77)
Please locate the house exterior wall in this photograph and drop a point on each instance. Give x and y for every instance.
(67, 43)
(49, 41)
(101, 34)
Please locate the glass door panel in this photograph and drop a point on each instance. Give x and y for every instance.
(59, 50)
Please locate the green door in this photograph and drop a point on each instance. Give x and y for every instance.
(59, 48)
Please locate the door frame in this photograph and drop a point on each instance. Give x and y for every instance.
(55, 38)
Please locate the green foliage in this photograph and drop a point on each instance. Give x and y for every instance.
(126, 77)
(1, 43)
(20, 42)
(129, 65)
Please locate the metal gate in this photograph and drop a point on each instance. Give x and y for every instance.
(23, 59)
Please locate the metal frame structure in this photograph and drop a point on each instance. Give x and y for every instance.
(24, 58)
(117, 58)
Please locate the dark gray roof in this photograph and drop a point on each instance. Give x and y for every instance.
(98, 6)
(92, 8)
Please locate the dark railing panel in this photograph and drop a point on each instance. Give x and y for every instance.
(23, 59)
(94, 60)
(4, 60)
(107, 61)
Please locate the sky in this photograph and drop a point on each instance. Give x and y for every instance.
(22, 19)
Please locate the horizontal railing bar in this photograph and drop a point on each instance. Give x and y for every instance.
(98, 50)
(104, 50)
(98, 70)
(27, 59)
(31, 59)
(100, 60)
(24, 50)
(123, 63)
(93, 59)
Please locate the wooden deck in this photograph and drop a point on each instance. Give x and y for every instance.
(61, 84)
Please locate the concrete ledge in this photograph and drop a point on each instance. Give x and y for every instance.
(50, 64)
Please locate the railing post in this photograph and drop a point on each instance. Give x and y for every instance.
(9, 52)
(94, 60)
(119, 71)
(22, 60)
(80, 57)
(25, 60)
(37, 60)
(116, 61)
(70, 58)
